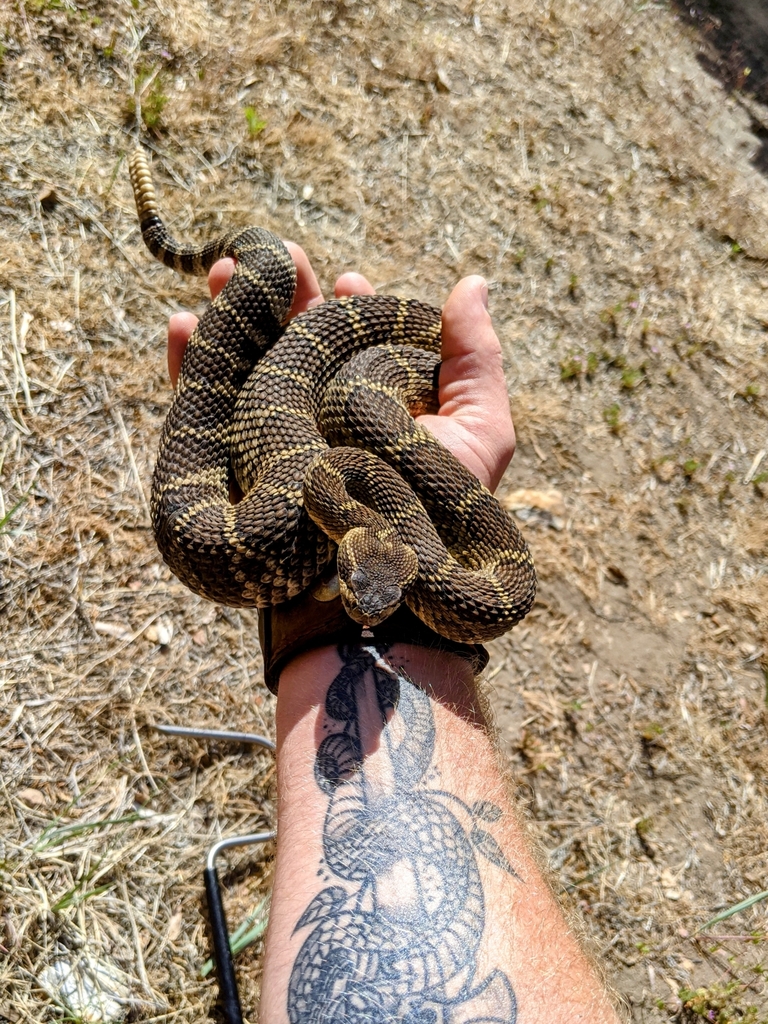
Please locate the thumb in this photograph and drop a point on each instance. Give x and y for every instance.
(472, 374)
(474, 420)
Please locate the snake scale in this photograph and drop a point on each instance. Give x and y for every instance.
(314, 420)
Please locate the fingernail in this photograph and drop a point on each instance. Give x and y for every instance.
(484, 294)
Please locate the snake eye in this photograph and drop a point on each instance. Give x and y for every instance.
(359, 580)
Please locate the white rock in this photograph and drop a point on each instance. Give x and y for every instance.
(160, 632)
(91, 989)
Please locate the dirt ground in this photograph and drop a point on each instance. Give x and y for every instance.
(603, 165)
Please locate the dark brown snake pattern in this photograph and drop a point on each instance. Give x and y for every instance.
(314, 421)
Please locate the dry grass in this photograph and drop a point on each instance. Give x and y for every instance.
(579, 157)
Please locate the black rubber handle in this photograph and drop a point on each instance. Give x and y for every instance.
(229, 998)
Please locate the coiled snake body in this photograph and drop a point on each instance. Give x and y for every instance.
(266, 402)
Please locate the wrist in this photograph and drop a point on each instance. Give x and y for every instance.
(447, 678)
(317, 618)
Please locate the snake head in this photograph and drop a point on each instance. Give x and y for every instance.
(375, 572)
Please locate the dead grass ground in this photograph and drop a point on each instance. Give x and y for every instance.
(579, 156)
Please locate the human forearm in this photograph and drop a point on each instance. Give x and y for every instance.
(404, 882)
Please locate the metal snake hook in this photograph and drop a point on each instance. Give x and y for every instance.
(229, 996)
(216, 734)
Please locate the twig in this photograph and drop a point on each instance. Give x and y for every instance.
(19, 368)
(128, 448)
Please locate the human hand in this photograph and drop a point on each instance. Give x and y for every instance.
(474, 420)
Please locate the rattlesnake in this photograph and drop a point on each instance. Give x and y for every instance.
(262, 400)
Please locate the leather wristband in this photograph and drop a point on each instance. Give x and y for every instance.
(317, 618)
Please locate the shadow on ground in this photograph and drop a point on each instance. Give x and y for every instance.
(735, 51)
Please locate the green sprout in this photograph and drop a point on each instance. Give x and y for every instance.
(256, 124)
(612, 417)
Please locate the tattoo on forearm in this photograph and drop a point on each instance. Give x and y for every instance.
(398, 939)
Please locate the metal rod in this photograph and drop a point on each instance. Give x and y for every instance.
(229, 997)
(225, 844)
(216, 734)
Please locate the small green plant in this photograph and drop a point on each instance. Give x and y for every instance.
(573, 284)
(570, 367)
(109, 49)
(608, 317)
(78, 894)
(690, 466)
(686, 348)
(579, 364)
(759, 480)
(38, 6)
(249, 931)
(153, 104)
(631, 376)
(719, 1004)
(55, 835)
(10, 514)
(612, 417)
(651, 731)
(750, 392)
(539, 199)
(746, 904)
(614, 359)
(256, 124)
(151, 98)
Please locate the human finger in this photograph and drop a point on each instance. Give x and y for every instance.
(353, 284)
(181, 325)
(219, 274)
(180, 328)
(474, 420)
(308, 292)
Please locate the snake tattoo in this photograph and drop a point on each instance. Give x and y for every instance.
(396, 936)
(313, 418)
